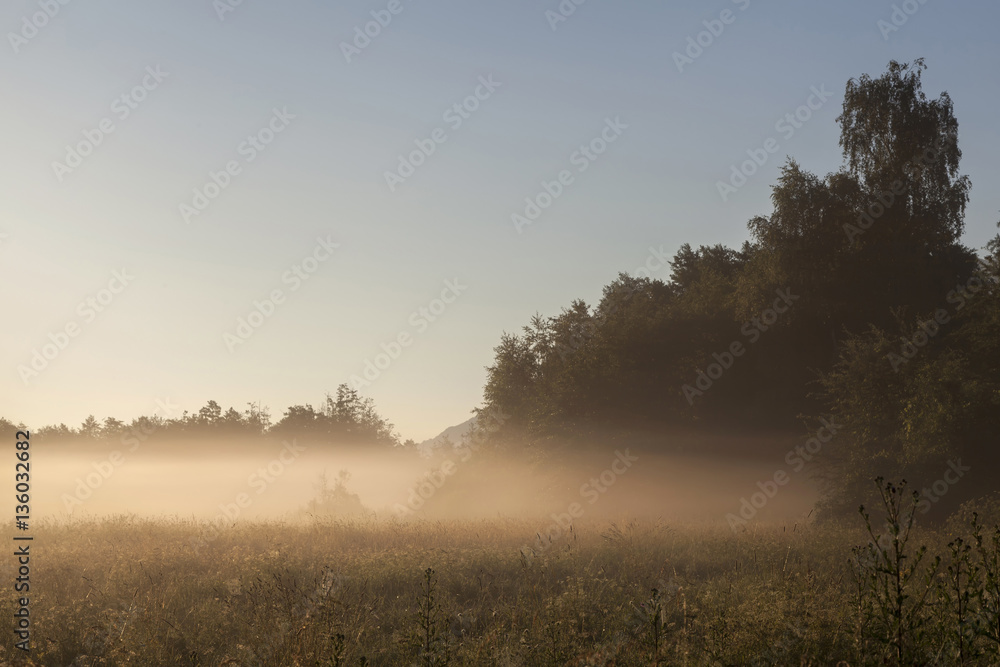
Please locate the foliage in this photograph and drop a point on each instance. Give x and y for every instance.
(872, 254)
(335, 501)
(347, 418)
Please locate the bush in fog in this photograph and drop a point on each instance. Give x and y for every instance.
(335, 500)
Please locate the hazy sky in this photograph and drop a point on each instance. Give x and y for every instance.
(196, 87)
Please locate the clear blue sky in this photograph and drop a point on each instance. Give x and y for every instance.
(189, 281)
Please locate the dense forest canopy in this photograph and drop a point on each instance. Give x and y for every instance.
(828, 309)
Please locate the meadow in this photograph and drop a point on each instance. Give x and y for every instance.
(127, 590)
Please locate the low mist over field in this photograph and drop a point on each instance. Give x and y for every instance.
(201, 478)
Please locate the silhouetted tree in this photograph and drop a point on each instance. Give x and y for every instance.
(8, 429)
(348, 417)
(90, 428)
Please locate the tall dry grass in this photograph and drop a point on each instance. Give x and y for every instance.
(131, 591)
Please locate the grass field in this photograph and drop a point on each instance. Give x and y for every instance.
(131, 591)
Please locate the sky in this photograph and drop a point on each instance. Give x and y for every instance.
(173, 169)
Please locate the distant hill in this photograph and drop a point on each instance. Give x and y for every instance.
(453, 434)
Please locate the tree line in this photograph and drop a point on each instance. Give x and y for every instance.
(854, 297)
(343, 418)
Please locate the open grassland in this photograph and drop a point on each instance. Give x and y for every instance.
(129, 591)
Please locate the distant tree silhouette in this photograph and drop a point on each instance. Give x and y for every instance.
(8, 428)
(345, 418)
(90, 428)
(211, 414)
